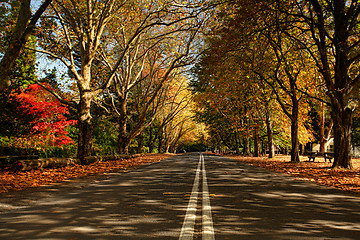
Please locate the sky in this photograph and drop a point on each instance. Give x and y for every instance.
(43, 64)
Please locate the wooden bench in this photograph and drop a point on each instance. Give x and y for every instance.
(326, 155)
(311, 156)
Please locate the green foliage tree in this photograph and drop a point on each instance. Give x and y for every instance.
(20, 33)
(22, 73)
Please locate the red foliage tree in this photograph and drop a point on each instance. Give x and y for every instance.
(49, 121)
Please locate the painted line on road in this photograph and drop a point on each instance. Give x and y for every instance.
(207, 222)
(187, 230)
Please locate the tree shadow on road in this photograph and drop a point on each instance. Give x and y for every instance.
(253, 203)
(148, 203)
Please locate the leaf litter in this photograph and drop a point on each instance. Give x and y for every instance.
(319, 171)
(16, 180)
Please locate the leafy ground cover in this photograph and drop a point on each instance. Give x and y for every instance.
(12, 180)
(318, 171)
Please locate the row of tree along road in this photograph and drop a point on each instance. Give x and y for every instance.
(275, 65)
(266, 66)
(123, 59)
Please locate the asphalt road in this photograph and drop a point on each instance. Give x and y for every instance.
(183, 197)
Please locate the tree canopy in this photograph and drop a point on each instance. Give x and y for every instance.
(252, 77)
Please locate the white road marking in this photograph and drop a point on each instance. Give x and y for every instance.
(207, 223)
(187, 230)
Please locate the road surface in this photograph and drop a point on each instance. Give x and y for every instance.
(189, 196)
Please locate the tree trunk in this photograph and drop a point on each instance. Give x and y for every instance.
(153, 137)
(322, 129)
(84, 139)
(237, 145)
(167, 147)
(140, 147)
(151, 140)
(246, 150)
(124, 148)
(175, 143)
(335, 70)
(257, 141)
(85, 126)
(24, 26)
(295, 144)
(340, 95)
(270, 135)
(123, 143)
(342, 139)
(160, 143)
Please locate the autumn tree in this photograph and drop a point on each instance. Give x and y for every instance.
(48, 126)
(325, 35)
(286, 76)
(174, 112)
(72, 34)
(78, 33)
(24, 27)
(149, 63)
(329, 34)
(221, 91)
(148, 95)
(285, 62)
(15, 123)
(250, 49)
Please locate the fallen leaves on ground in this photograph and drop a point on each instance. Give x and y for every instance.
(10, 180)
(318, 171)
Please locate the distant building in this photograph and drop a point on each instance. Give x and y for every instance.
(329, 147)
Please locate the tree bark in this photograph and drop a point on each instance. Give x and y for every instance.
(342, 139)
(175, 142)
(16, 44)
(140, 147)
(340, 94)
(270, 135)
(161, 142)
(85, 126)
(151, 140)
(322, 129)
(167, 146)
(123, 142)
(237, 144)
(246, 150)
(25, 25)
(295, 144)
(256, 141)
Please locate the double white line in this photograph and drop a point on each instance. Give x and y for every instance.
(187, 230)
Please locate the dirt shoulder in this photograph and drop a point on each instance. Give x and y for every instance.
(318, 171)
(12, 180)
